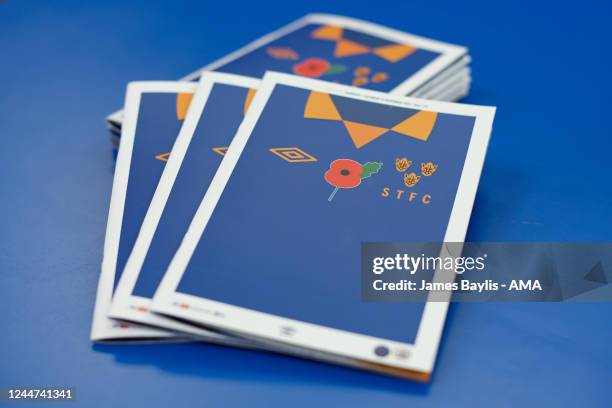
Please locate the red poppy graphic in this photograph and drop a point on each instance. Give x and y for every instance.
(312, 67)
(344, 173)
(347, 173)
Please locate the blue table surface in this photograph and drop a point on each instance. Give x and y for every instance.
(64, 66)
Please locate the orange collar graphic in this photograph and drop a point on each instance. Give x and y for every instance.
(418, 126)
(347, 48)
(183, 100)
(247, 101)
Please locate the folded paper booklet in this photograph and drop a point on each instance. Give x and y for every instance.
(215, 113)
(155, 112)
(315, 169)
(351, 52)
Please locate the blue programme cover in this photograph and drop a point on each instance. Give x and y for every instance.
(158, 125)
(335, 54)
(217, 109)
(342, 50)
(219, 122)
(154, 113)
(323, 169)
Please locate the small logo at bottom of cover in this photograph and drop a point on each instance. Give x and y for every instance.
(381, 351)
(287, 331)
(402, 354)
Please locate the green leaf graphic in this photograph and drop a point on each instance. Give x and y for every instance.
(335, 69)
(370, 168)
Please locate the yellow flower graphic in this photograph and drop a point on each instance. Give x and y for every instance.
(402, 164)
(362, 71)
(427, 169)
(411, 179)
(379, 77)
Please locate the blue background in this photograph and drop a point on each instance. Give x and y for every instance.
(277, 245)
(547, 177)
